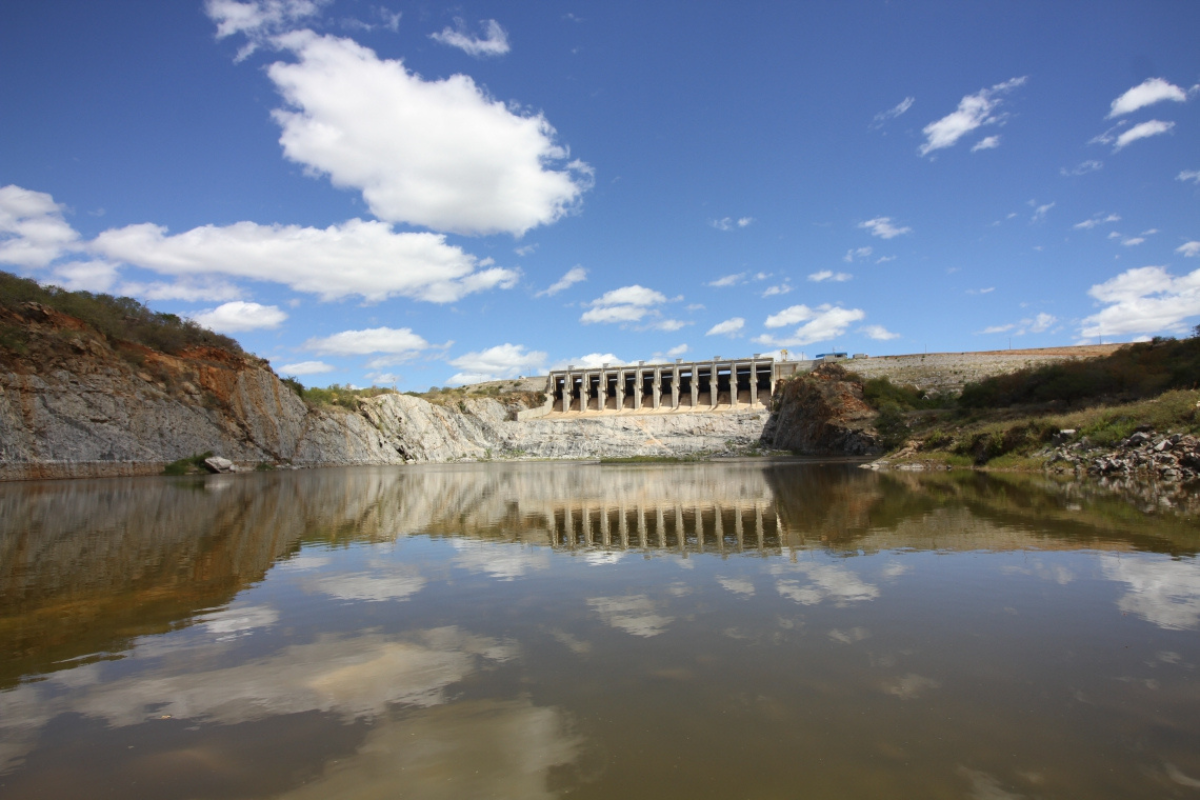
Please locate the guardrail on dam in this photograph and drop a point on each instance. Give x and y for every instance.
(719, 384)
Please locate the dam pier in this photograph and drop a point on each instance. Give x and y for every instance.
(718, 384)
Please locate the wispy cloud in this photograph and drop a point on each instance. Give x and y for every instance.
(1189, 250)
(829, 275)
(987, 290)
(574, 275)
(974, 111)
(729, 327)
(728, 280)
(1083, 168)
(988, 143)
(1192, 175)
(777, 289)
(860, 252)
(1037, 324)
(494, 41)
(729, 223)
(1040, 211)
(883, 228)
(1098, 219)
(878, 333)
(893, 112)
(1145, 130)
(1147, 93)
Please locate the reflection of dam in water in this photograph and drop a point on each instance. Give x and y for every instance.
(717, 527)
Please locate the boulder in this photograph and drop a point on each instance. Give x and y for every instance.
(219, 465)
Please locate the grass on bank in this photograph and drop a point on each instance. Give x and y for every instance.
(188, 466)
(1003, 421)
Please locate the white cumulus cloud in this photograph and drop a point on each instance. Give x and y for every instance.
(394, 341)
(883, 228)
(437, 153)
(33, 231)
(1144, 300)
(494, 41)
(727, 328)
(574, 275)
(1192, 175)
(974, 111)
(1145, 130)
(627, 304)
(301, 368)
(501, 361)
(820, 324)
(1189, 249)
(1147, 93)
(358, 257)
(238, 316)
(590, 361)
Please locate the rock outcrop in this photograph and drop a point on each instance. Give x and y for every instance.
(77, 404)
(822, 413)
(487, 428)
(1146, 455)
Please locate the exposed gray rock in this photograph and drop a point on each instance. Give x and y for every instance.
(219, 465)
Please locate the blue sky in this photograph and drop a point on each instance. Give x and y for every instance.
(420, 194)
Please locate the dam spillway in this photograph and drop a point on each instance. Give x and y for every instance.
(718, 384)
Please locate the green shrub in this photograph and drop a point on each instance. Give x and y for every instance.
(187, 466)
(1135, 371)
(116, 318)
(342, 396)
(892, 427)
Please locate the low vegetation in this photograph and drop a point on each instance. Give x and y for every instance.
(1007, 421)
(115, 318)
(192, 465)
(336, 395)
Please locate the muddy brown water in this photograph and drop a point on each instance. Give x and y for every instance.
(738, 630)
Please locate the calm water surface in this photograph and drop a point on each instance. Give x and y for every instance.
(527, 631)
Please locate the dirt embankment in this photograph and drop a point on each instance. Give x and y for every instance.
(949, 372)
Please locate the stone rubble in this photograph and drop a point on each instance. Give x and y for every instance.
(1145, 455)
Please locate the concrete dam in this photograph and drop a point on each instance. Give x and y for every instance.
(720, 384)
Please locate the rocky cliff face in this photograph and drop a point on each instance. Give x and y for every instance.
(485, 428)
(75, 404)
(822, 413)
